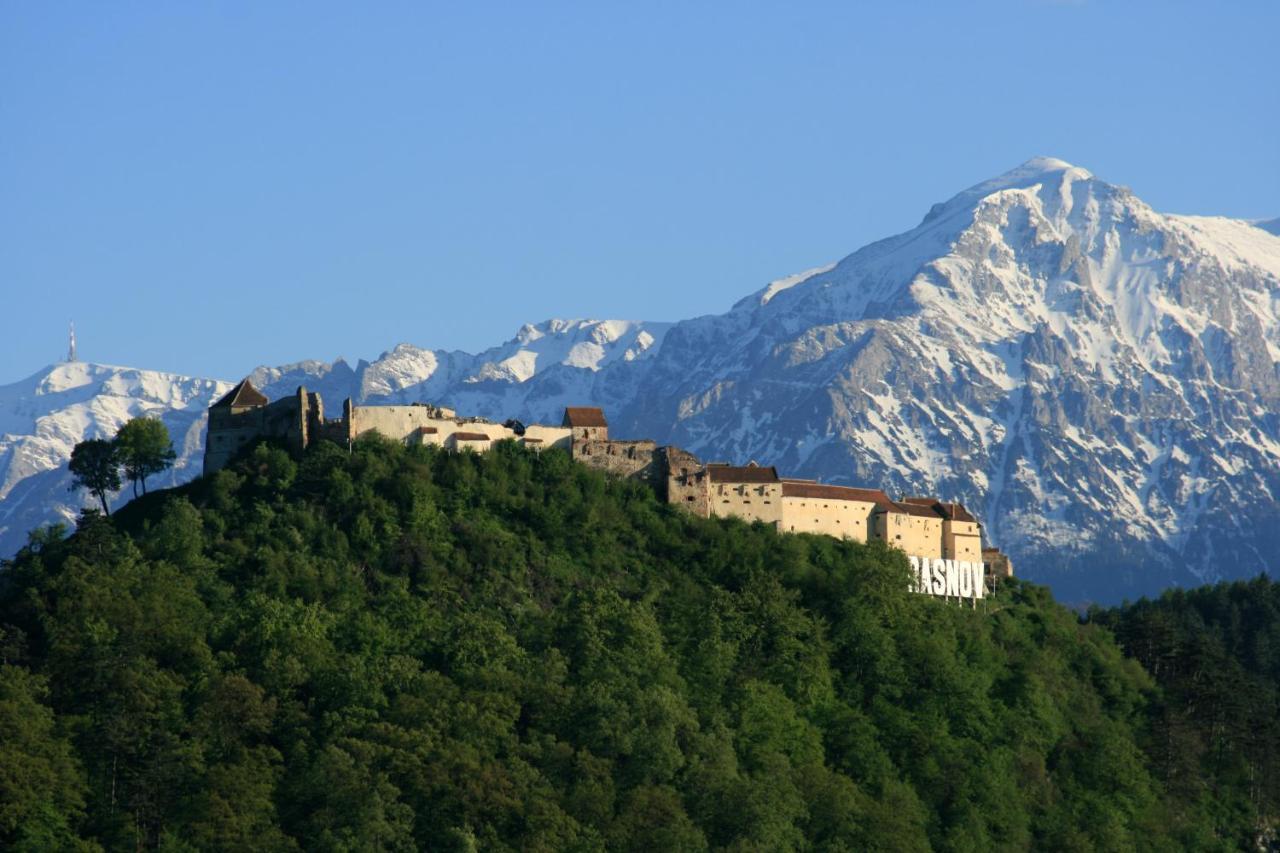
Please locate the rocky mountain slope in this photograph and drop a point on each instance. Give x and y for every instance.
(1098, 380)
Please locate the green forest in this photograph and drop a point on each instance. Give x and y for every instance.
(400, 648)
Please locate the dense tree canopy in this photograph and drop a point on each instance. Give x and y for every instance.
(405, 648)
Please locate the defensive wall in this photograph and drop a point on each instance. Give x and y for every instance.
(943, 540)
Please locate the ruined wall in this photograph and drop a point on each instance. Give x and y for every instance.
(840, 518)
(686, 480)
(632, 459)
(230, 429)
(395, 422)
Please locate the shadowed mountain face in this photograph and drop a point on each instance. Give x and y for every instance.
(1097, 380)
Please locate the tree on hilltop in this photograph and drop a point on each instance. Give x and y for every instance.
(95, 465)
(145, 448)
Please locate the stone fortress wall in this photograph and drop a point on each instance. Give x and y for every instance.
(943, 539)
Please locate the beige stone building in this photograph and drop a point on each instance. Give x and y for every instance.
(750, 492)
(924, 527)
(843, 511)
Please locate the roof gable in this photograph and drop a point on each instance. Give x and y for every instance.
(584, 416)
(243, 395)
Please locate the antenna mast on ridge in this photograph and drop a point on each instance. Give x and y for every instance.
(71, 350)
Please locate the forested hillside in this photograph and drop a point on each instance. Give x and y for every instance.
(1214, 729)
(402, 649)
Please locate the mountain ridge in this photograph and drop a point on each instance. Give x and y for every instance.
(1098, 377)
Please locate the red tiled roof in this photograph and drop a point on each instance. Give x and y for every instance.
(743, 474)
(794, 489)
(428, 430)
(470, 436)
(244, 394)
(584, 416)
(528, 440)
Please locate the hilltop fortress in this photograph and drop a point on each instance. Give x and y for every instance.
(942, 539)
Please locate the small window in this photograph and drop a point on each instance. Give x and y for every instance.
(689, 498)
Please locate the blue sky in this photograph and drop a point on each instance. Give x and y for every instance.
(207, 187)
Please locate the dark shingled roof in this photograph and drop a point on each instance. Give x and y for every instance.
(919, 510)
(584, 416)
(745, 474)
(795, 489)
(470, 436)
(949, 510)
(956, 512)
(244, 394)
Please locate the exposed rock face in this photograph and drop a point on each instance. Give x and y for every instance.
(1097, 380)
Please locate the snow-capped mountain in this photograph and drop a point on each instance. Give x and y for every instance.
(536, 373)
(1097, 380)
(44, 416)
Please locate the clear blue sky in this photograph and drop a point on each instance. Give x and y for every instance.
(205, 187)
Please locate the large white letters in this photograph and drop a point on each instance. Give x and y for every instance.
(961, 579)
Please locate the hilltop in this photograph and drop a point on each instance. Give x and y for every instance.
(402, 647)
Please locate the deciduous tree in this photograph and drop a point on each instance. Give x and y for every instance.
(145, 448)
(95, 465)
